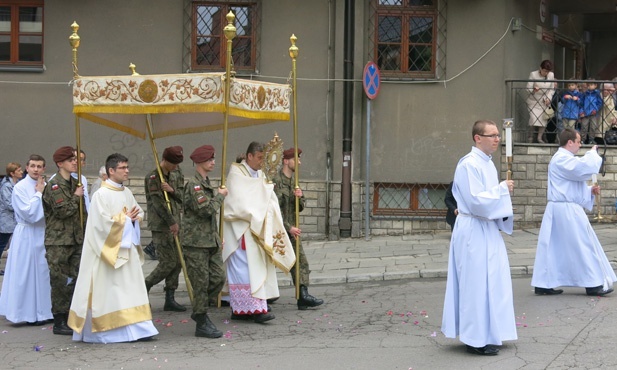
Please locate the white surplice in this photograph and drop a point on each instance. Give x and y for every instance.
(26, 291)
(255, 240)
(478, 305)
(569, 252)
(110, 303)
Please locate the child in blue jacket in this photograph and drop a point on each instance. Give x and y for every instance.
(572, 102)
(590, 112)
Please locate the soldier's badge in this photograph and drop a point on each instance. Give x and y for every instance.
(201, 199)
(197, 188)
(55, 187)
(152, 177)
(59, 200)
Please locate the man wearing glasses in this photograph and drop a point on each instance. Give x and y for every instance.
(110, 303)
(64, 235)
(478, 306)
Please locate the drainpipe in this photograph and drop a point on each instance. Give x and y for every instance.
(345, 216)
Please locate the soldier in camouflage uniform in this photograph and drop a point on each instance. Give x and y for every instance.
(64, 235)
(200, 240)
(284, 190)
(165, 224)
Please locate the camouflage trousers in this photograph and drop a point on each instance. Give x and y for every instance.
(169, 266)
(63, 262)
(304, 265)
(206, 273)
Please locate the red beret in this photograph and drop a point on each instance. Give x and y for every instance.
(203, 153)
(289, 153)
(64, 153)
(173, 154)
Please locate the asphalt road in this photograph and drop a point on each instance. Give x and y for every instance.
(368, 325)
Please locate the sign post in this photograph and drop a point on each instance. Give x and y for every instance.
(371, 80)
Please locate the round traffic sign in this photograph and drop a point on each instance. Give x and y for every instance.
(371, 79)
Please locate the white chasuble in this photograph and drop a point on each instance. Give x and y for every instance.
(110, 292)
(254, 235)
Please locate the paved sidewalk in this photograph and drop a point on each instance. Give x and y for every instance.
(410, 256)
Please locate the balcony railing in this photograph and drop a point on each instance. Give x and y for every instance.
(528, 108)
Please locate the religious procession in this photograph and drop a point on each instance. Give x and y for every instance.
(75, 251)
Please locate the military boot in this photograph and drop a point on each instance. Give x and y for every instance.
(171, 304)
(60, 326)
(205, 327)
(306, 300)
(148, 287)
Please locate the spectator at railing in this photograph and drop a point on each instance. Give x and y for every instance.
(609, 116)
(590, 113)
(571, 100)
(541, 91)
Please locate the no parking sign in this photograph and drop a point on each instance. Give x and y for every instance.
(371, 80)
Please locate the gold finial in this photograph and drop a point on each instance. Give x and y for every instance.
(293, 49)
(74, 40)
(132, 68)
(230, 29)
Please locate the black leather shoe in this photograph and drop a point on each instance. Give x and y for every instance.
(261, 318)
(598, 291)
(36, 323)
(272, 300)
(241, 317)
(551, 291)
(487, 350)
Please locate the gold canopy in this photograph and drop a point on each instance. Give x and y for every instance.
(177, 102)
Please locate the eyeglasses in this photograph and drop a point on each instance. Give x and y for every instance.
(491, 136)
(122, 168)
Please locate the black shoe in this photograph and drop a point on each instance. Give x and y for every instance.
(487, 350)
(261, 318)
(306, 300)
(60, 326)
(598, 291)
(1, 272)
(272, 300)
(241, 317)
(36, 323)
(205, 327)
(547, 291)
(171, 304)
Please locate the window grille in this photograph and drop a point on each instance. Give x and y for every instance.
(205, 42)
(396, 199)
(408, 38)
(21, 33)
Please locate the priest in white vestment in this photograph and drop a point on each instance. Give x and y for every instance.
(569, 252)
(255, 240)
(110, 303)
(26, 291)
(478, 305)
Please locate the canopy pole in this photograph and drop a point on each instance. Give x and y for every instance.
(189, 287)
(293, 53)
(230, 34)
(78, 150)
(75, 40)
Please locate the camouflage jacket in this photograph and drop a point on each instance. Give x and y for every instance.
(201, 204)
(61, 207)
(284, 190)
(159, 216)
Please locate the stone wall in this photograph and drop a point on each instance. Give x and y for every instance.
(529, 171)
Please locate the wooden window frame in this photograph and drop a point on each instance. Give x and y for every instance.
(406, 12)
(225, 8)
(15, 33)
